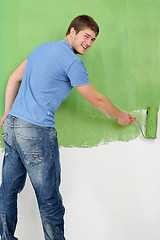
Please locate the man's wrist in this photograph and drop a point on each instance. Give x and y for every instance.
(6, 113)
(120, 114)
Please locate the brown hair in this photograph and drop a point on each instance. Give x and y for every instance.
(81, 22)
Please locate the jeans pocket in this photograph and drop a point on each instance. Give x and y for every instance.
(5, 141)
(52, 133)
(33, 158)
(31, 149)
(5, 136)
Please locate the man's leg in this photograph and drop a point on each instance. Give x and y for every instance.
(39, 148)
(13, 179)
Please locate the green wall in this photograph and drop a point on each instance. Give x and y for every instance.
(123, 64)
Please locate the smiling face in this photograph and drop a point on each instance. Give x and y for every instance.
(82, 41)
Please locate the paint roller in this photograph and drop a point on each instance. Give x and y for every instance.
(151, 122)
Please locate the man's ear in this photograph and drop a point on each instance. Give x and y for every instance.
(72, 32)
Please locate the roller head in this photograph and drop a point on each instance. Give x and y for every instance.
(151, 122)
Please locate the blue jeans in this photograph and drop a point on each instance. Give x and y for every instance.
(34, 150)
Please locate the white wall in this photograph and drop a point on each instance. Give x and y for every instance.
(111, 192)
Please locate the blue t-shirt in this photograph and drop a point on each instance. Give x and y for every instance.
(51, 71)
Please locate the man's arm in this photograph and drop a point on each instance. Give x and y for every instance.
(103, 104)
(12, 89)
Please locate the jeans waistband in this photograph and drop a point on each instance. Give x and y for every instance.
(13, 121)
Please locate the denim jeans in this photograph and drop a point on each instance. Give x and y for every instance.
(34, 150)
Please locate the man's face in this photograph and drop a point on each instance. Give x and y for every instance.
(82, 41)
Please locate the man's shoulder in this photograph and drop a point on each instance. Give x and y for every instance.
(66, 54)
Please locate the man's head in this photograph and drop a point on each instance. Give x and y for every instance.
(81, 33)
(81, 22)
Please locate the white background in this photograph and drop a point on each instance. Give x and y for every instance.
(110, 192)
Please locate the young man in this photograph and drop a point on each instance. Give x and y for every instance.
(34, 92)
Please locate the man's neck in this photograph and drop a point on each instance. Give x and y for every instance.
(68, 39)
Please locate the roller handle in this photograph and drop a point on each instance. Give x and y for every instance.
(133, 119)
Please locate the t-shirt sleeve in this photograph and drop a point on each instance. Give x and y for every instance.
(77, 74)
(32, 53)
(28, 57)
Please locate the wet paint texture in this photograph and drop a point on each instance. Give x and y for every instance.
(151, 124)
(123, 63)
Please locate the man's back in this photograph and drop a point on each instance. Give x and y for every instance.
(50, 73)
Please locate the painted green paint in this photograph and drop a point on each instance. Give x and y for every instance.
(123, 63)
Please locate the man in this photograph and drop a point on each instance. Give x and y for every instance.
(34, 92)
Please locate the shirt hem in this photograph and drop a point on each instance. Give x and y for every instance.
(79, 84)
(30, 121)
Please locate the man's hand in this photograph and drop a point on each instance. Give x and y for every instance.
(124, 118)
(3, 119)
